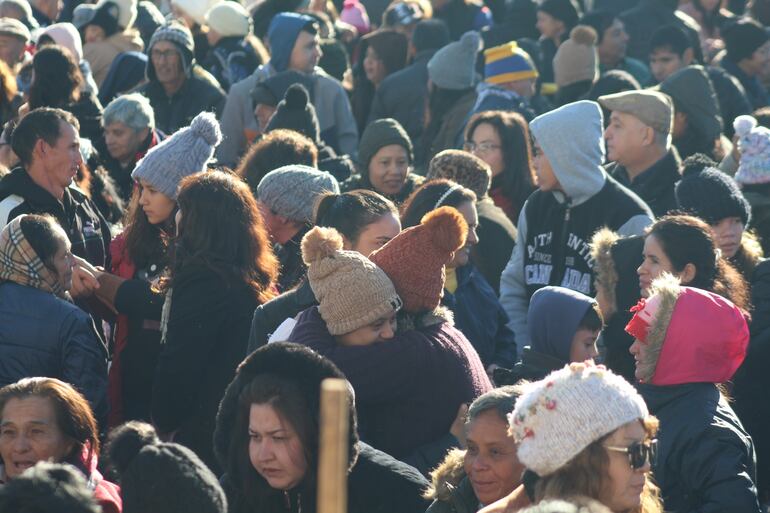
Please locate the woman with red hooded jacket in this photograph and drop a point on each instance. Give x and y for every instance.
(688, 342)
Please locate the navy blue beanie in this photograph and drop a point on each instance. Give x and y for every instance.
(553, 319)
(282, 34)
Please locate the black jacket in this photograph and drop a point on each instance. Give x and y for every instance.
(87, 230)
(199, 93)
(706, 460)
(289, 255)
(269, 316)
(43, 335)
(655, 185)
(497, 236)
(648, 15)
(533, 366)
(205, 339)
(403, 96)
(733, 101)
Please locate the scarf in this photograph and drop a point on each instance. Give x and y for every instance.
(19, 263)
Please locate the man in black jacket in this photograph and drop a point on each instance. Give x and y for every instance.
(47, 144)
(639, 145)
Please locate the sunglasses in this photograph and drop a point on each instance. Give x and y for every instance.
(639, 453)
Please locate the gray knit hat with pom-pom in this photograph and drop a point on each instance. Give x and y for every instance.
(183, 154)
(160, 476)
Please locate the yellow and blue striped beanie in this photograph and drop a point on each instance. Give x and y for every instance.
(508, 63)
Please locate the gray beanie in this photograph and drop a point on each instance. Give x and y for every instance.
(454, 66)
(177, 33)
(184, 153)
(291, 191)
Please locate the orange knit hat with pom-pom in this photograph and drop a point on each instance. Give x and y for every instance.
(415, 258)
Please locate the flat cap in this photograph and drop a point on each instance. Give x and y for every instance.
(13, 27)
(653, 108)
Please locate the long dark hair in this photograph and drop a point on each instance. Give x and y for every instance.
(222, 229)
(689, 240)
(517, 181)
(425, 199)
(350, 212)
(440, 101)
(146, 243)
(57, 79)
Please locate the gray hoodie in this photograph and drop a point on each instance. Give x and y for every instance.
(571, 138)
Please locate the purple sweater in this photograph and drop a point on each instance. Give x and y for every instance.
(409, 388)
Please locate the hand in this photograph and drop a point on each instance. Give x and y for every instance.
(84, 283)
(457, 429)
(85, 265)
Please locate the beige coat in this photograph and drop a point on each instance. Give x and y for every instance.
(101, 54)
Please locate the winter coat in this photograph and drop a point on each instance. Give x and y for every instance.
(87, 230)
(479, 316)
(100, 54)
(497, 236)
(289, 255)
(533, 366)
(269, 316)
(231, 60)
(655, 185)
(88, 111)
(752, 86)
(733, 101)
(648, 15)
(376, 481)
(361, 181)
(452, 125)
(409, 388)
(403, 96)
(758, 197)
(239, 127)
(633, 67)
(199, 93)
(136, 337)
(43, 335)
(555, 228)
(706, 460)
(204, 340)
(452, 491)
(462, 16)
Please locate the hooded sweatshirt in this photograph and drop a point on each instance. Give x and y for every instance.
(555, 227)
(555, 338)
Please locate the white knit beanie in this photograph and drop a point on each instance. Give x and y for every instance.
(559, 416)
(196, 9)
(229, 19)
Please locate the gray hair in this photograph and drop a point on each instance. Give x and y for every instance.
(133, 110)
(502, 400)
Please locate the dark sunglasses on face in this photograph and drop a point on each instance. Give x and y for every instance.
(640, 454)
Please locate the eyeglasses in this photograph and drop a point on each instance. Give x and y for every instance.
(640, 454)
(484, 147)
(159, 55)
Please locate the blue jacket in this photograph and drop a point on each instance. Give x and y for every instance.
(480, 317)
(43, 335)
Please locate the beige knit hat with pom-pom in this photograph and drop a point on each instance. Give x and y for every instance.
(352, 292)
(415, 258)
(576, 59)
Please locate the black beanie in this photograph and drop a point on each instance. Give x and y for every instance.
(295, 112)
(106, 16)
(48, 488)
(742, 38)
(712, 195)
(565, 11)
(156, 476)
(378, 134)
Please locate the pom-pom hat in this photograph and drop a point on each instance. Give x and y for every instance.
(415, 258)
(352, 291)
(556, 418)
(577, 59)
(754, 145)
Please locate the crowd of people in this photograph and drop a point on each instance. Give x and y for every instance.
(529, 234)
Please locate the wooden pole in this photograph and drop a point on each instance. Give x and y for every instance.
(333, 447)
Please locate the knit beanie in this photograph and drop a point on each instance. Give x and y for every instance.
(229, 19)
(565, 11)
(114, 15)
(454, 65)
(291, 191)
(693, 93)
(379, 134)
(463, 168)
(576, 59)
(282, 34)
(742, 38)
(177, 33)
(691, 335)
(556, 418)
(160, 476)
(351, 290)
(508, 63)
(295, 112)
(49, 487)
(712, 195)
(754, 145)
(183, 154)
(415, 258)
(196, 9)
(354, 13)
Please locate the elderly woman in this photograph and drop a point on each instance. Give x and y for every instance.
(489, 469)
(129, 131)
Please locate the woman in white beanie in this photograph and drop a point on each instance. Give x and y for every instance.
(584, 431)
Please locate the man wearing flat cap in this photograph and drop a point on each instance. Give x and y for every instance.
(639, 146)
(14, 37)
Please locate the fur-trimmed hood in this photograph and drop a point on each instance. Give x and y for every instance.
(615, 262)
(445, 478)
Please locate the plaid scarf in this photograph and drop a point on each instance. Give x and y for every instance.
(20, 263)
